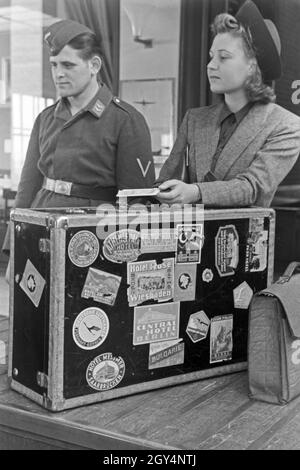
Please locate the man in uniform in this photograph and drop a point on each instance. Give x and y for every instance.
(89, 143)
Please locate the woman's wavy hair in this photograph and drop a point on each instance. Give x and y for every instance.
(256, 89)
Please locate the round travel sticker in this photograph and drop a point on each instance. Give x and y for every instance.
(122, 246)
(105, 372)
(83, 248)
(90, 328)
(207, 275)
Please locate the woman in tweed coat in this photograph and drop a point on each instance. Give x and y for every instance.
(242, 148)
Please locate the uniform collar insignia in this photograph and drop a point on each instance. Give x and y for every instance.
(98, 108)
(100, 101)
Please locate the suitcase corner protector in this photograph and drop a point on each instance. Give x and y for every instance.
(55, 406)
(272, 214)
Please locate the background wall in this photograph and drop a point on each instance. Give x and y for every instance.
(149, 70)
(5, 121)
(288, 23)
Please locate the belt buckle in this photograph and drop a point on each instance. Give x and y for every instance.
(63, 187)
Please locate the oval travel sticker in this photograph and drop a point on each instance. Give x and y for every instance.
(122, 246)
(207, 275)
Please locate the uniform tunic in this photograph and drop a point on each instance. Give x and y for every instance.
(105, 145)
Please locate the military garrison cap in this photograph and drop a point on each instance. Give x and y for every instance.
(59, 34)
(265, 38)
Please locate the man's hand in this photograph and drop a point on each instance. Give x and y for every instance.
(175, 191)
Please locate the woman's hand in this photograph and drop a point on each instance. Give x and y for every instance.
(175, 191)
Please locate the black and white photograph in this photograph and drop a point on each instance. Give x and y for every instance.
(149, 228)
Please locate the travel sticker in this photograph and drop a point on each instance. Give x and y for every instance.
(256, 224)
(242, 295)
(226, 250)
(166, 354)
(185, 282)
(90, 328)
(189, 243)
(257, 251)
(150, 281)
(207, 275)
(83, 248)
(198, 325)
(32, 283)
(122, 246)
(156, 323)
(105, 372)
(221, 338)
(101, 286)
(158, 240)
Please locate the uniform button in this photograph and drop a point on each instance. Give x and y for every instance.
(117, 100)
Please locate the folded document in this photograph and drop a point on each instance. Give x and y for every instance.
(137, 192)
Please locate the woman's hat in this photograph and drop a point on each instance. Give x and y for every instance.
(59, 34)
(265, 39)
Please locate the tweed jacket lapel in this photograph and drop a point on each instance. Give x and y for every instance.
(245, 133)
(206, 136)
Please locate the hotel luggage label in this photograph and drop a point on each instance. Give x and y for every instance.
(256, 224)
(83, 248)
(226, 250)
(166, 354)
(122, 246)
(150, 281)
(32, 283)
(105, 372)
(158, 240)
(154, 323)
(221, 342)
(101, 286)
(190, 240)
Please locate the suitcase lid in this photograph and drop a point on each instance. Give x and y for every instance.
(287, 290)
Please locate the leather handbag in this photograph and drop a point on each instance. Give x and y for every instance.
(274, 340)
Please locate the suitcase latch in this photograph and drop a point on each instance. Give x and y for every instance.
(42, 379)
(44, 245)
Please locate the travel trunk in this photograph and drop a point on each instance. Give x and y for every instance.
(107, 303)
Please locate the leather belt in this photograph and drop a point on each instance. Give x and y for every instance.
(68, 188)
